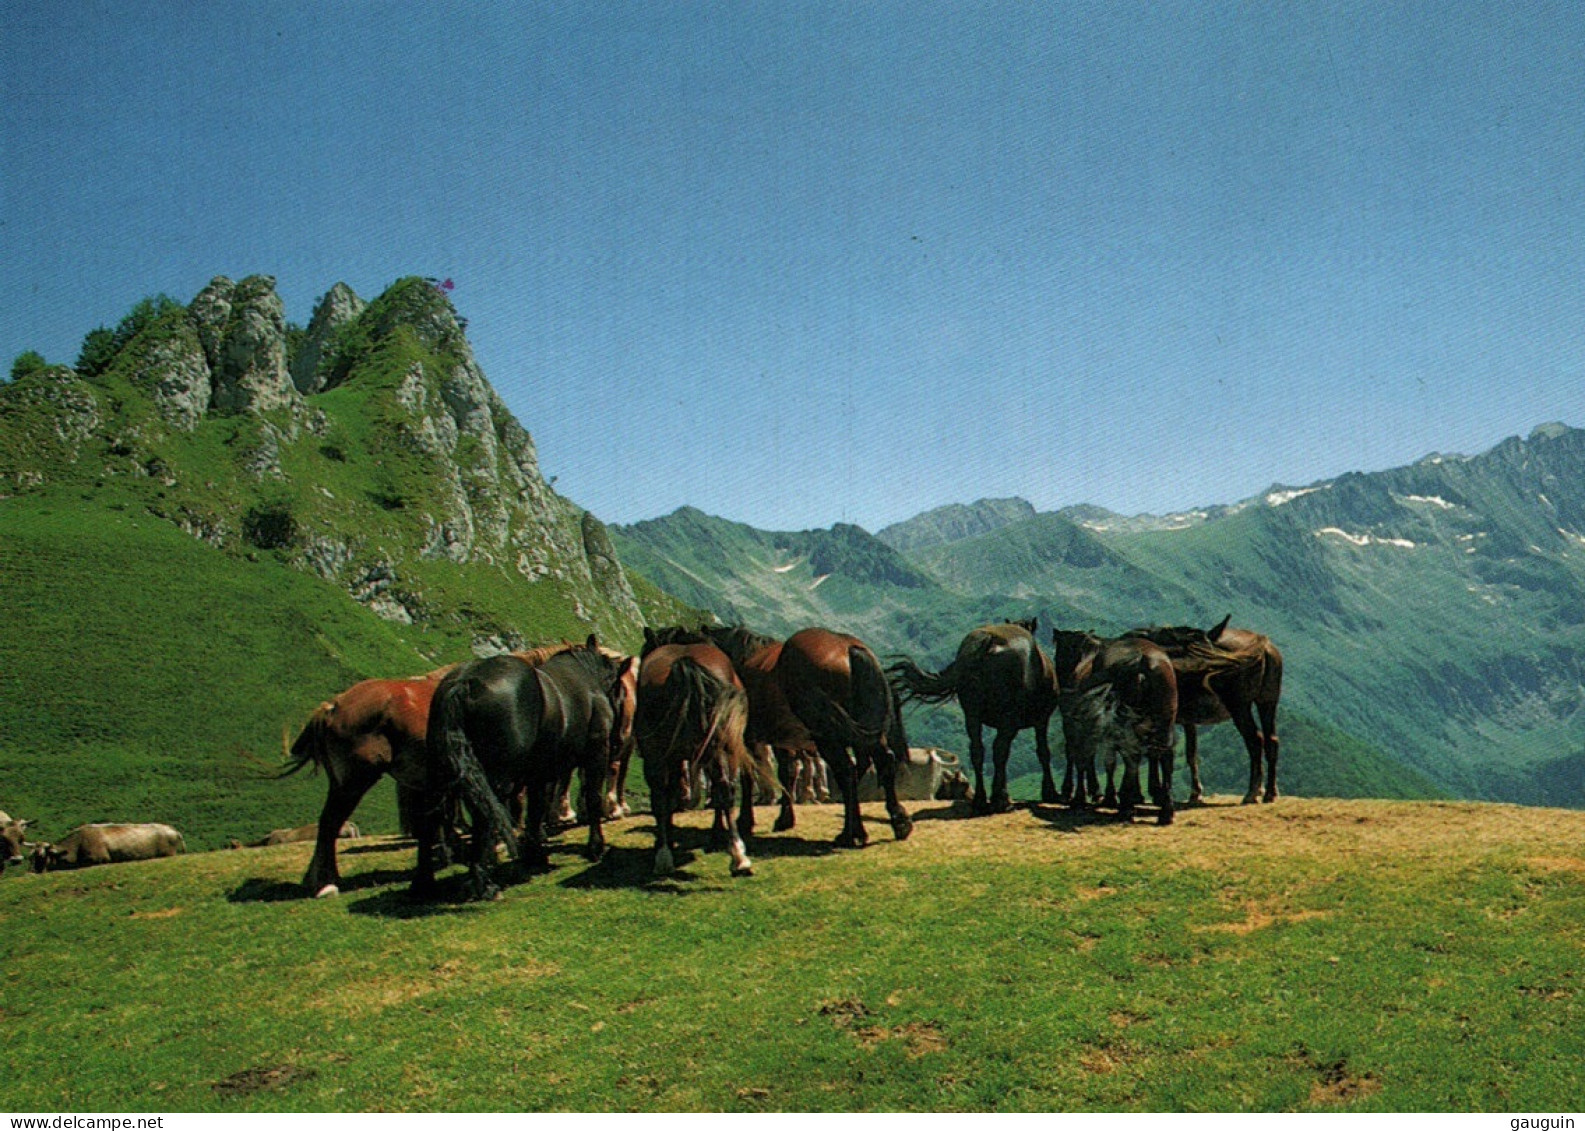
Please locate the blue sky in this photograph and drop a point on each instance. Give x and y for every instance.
(804, 263)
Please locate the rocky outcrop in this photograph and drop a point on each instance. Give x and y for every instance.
(339, 307)
(176, 371)
(247, 355)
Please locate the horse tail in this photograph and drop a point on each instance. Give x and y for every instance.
(869, 697)
(913, 684)
(310, 747)
(451, 752)
(1102, 723)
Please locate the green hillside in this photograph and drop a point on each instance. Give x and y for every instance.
(194, 552)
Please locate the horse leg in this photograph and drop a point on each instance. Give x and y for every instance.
(662, 802)
(1110, 800)
(1161, 756)
(592, 781)
(721, 797)
(817, 774)
(1268, 735)
(562, 807)
(1244, 720)
(481, 861)
(1001, 748)
(971, 723)
(1130, 795)
(323, 877)
(1048, 785)
(426, 832)
(886, 774)
(1191, 758)
(787, 765)
(536, 805)
(746, 785)
(840, 760)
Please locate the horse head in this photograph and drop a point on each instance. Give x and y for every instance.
(1029, 624)
(1071, 650)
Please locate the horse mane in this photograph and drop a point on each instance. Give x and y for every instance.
(738, 642)
(1193, 650)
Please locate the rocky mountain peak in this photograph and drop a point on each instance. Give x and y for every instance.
(336, 309)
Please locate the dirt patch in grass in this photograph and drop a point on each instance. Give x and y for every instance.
(1256, 918)
(168, 913)
(843, 1012)
(1556, 863)
(268, 1079)
(1338, 1085)
(920, 1037)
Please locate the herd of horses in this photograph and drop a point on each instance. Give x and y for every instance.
(490, 746)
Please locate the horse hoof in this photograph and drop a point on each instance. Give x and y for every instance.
(1249, 799)
(1001, 804)
(663, 862)
(1049, 797)
(327, 891)
(744, 869)
(902, 826)
(1164, 818)
(783, 823)
(1270, 797)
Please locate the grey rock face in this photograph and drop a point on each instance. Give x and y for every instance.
(337, 308)
(250, 372)
(177, 373)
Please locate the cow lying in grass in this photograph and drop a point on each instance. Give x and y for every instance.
(300, 835)
(108, 844)
(13, 840)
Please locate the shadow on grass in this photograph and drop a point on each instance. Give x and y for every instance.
(259, 890)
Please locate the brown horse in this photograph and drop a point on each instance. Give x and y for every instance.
(771, 722)
(1003, 680)
(373, 728)
(827, 690)
(1226, 673)
(692, 711)
(1120, 695)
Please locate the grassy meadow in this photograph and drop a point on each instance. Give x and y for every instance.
(1310, 955)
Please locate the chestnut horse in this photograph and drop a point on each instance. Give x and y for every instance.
(1120, 695)
(1003, 680)
(1226, 673)
(373, 728)
(501, 726)
(692, 711)
(771, 723)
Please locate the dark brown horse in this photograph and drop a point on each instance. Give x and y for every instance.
(825, 689)
(1226, 673)
(692, 711)
(1003, 680)
(499, 727)
(1120, 696)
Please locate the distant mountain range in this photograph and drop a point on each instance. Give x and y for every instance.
(1433, 616)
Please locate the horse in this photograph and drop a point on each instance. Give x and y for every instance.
(1003, 680)
(771, 723)
(825, 690)
(499, 726)
(1121, 695)
(1226, 673)
(373, 728)
(692, 711)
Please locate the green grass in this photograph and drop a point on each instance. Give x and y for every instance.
(143, 676)
(1302, 956)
